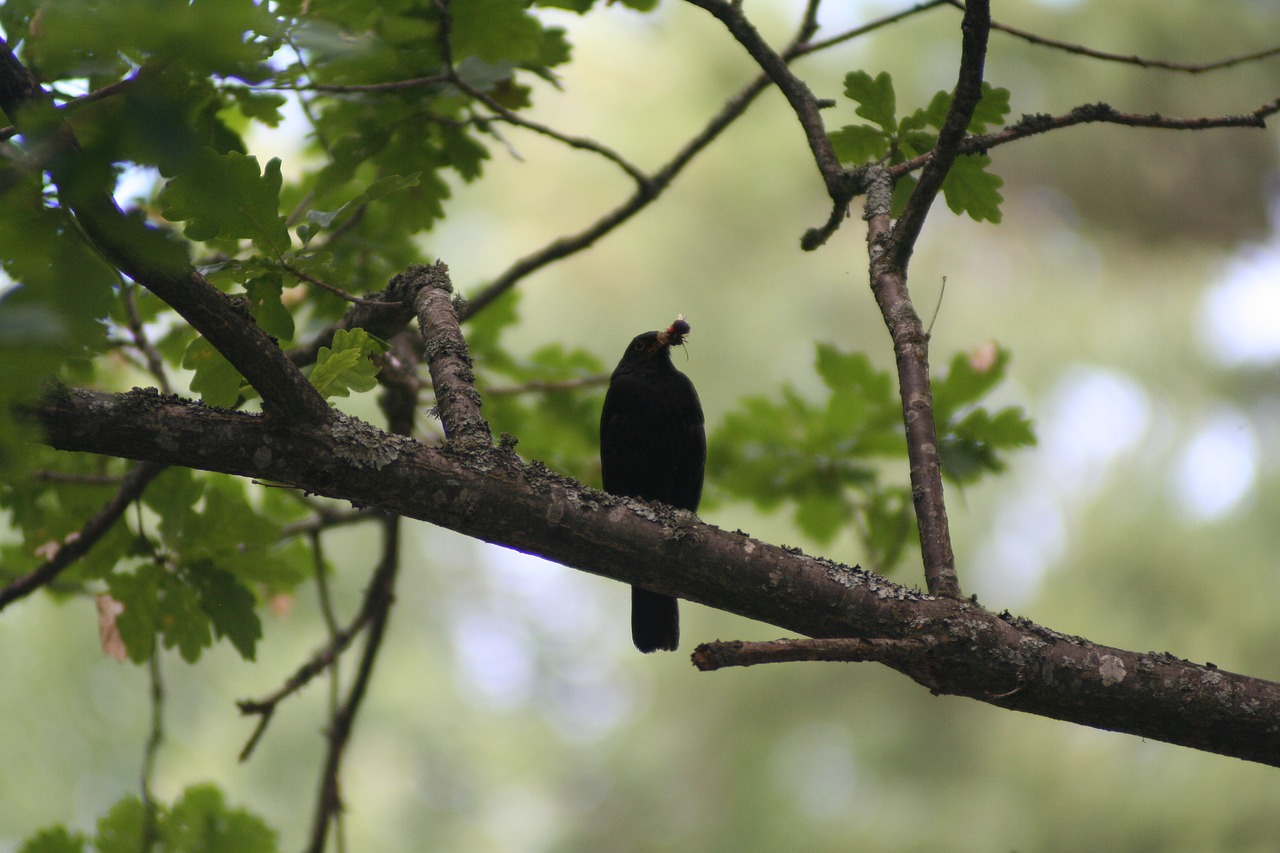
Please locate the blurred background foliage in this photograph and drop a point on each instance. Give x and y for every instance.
(1131, 291)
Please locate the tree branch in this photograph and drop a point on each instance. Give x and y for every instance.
(718, 655)
(378, 601)
(802, 100)
(648, 190)
(997, 659)
(149, 258)
(974, 28)
(78, 544)
(447, 358)
(1162, 64)
(1032, 125)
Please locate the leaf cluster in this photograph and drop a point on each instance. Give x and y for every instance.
(826, 460)
(550, 399)
(969, 187)
(182, 86)
(199, 822)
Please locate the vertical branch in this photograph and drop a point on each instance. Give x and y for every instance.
(889, 250)
(378, 601)
(398, 403)
(150, 811)
(911, 354)
(974, 28)
(457, 400)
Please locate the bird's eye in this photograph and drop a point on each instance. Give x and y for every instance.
(638, 346)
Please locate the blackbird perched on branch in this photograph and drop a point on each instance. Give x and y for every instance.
(653, 446)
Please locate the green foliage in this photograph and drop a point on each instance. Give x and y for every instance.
(214, 379)
(823, 459)
(826, 460)
(228, 197)
(320, 219)
(969, 187)
(555, 421)
(349, 365)
(199, 822)
(56, 839)
(971, 439)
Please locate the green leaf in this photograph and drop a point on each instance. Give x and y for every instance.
(348, 365)
(229, 606)
(260, 106)
(970, 188)
(264, 293)
(559, 427)
(860, 143)
(875, 97)
(228, 197)
(79, 39)
(55, 839)
(202, 821)
(138, 591)
(970, 447)
(991, 110)
(822, 458)
(180, 618)
(932, 115)
(120, 831)
(970, 439)
(215, 380)
(821, 516)
(969, 377)
(495, 31)
(319, 219)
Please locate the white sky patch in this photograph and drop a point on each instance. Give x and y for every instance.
(542, 636)
(1093, 417)
(1217, 468)
(1240, 315)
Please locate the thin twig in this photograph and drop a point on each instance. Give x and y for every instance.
(265, 707)
(378, 601)
(303, 275)
(150, 808)
(552, 386)
(155, 364)
(856, 32)
(1130, 59)
(76, 545)
(1032, 125)
(643, 195)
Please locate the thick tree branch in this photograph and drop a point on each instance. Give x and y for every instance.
(911, 354)
(447, 358)
(718, 655)
(890, 249)
(148, 257)
(996, 659)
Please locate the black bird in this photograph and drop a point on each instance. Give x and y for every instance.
(653, 446)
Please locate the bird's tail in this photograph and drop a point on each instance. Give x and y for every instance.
(655, 621)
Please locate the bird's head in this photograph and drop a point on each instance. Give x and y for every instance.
(654, 348)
